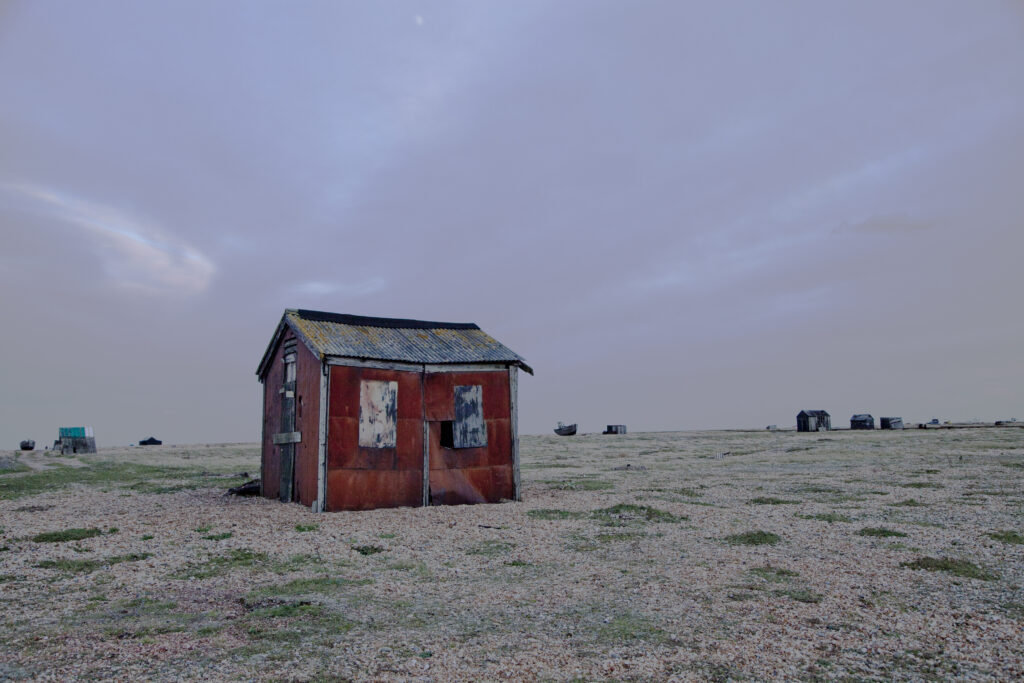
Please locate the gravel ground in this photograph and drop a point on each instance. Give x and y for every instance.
(663, 556)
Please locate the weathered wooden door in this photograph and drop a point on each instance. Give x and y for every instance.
(286, 443)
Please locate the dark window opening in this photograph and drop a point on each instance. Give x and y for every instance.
(447, 434)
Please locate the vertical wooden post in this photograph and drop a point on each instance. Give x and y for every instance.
(321, 470)
(426, 437)
(513, 389)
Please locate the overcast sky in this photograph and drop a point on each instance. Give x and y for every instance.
(683, 215)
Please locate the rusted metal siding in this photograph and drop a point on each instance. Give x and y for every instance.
(307, 422)
(307, 398)
(360, 477)
(481, 474)
(270, 464)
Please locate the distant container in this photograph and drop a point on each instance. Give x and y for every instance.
(813, 421)
(891, 422)
(862, 421)
(772, 428)
(615, 429)
(75, 440)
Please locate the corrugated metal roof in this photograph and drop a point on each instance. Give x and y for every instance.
(392, 339)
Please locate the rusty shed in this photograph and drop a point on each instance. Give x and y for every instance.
(813, 421)
(362, 412)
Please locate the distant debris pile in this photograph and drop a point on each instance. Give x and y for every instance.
(862, 421)
(615, 429)
(75, 440)
(151, 441)
(891, 422)
(27, 445)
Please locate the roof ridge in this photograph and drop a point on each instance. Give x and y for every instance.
(372, 321)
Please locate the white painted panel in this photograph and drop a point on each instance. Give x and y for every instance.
(378, 414)
(469, 429)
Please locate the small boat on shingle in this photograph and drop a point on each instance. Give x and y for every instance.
(565, 430)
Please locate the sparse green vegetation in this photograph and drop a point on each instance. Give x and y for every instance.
(368, 549)
(320, 584)
(86, 566)
(217, 565)
(829, 517)
(613, 584)
(9, 465)
(922, 485)
(619, 537)
(555, 514)
(880, 532)
(583, 485)
(490, 548)
(774, 573)
(753, 538)
(909, 503)
(800, 595)
(953, 566)
(768, 500)
(624, 513)
(67, 535)
(1007, 537)
(106, 473)
(623, 628)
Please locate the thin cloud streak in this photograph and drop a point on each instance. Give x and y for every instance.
(134, 254)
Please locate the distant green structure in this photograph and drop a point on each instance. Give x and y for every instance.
(75, 440)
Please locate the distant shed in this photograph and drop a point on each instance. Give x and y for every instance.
(891, 422)
(75, 440)
(813, 421)
(362, 412)
(615, 429)
(862, 421)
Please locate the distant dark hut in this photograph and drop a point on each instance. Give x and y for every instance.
(362, 413)
(151, 441)
(615, 429)
(813, 421)
(891, 422)
(862, 421)
(75, 440)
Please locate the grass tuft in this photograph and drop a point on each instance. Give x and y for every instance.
(829, 517)
(66, 535)
(880, 532)
(1007, 537)
(367, 549)
(86, 566)
(625, 513)
(753, 538)
(953, 566)
(548, 513)
(768, 500)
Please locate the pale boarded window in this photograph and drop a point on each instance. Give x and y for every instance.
(378, 413)
(469, 429)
